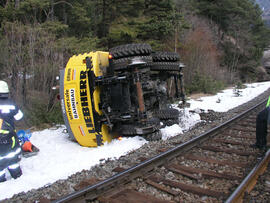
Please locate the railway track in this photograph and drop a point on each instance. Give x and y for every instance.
(213, 167)
(261, 191)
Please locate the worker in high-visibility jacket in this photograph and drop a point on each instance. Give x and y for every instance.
(262, 120)
(10, 149)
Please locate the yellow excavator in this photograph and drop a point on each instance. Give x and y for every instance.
(124, 92)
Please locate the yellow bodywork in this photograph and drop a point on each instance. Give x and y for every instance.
(77, 98)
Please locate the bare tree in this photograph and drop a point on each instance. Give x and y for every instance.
(32, 64)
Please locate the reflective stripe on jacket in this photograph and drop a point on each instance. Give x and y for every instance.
(9, 112)
(268, 102)
(268, 108)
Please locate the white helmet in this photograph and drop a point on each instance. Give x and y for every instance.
(3, 87)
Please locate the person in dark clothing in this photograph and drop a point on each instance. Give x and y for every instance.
(10, 149)
(262, 120)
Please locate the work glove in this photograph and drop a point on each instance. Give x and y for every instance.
(27, 146)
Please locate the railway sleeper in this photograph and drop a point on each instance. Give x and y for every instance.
(247, 124)
(188, 188)
(130, 196)
(162, 188)
(228, 151)
(244, 136)
(224, 141)
(243, 129)
(204, 173)
(214, 161)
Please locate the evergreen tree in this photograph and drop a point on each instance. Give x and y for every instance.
(242, 30)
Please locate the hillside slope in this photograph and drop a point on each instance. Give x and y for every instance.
(265, 5)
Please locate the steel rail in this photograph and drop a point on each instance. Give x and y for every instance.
(250, 181)
(93, 191)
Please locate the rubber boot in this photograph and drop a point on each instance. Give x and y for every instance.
(2, 176)
(15, 172)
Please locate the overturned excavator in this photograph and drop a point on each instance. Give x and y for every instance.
(124, 92)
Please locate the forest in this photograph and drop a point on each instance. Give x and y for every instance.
(220, 42)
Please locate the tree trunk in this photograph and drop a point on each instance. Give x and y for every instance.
(52, 10)
(17, 4)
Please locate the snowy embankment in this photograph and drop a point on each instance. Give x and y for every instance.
(59, 157)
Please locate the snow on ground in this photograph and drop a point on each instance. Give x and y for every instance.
(228, 99)
(59, 157)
